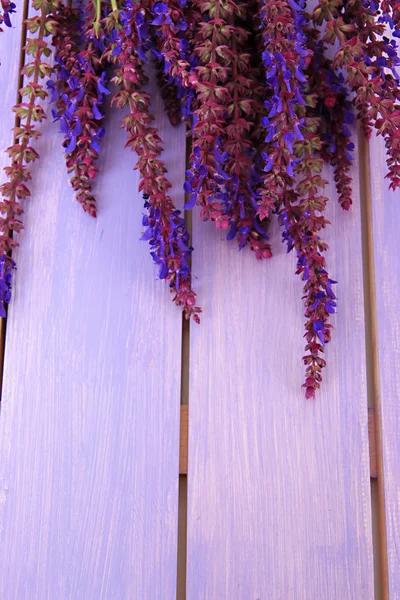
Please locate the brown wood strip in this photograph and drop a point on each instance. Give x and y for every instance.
(384, 257)
(183, 450)
(372, 443)
(183, 447)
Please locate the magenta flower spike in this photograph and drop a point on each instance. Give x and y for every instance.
(239, 157)
(337, 115)
(29, 113)
(369, 62)
(173, 25)
(294, 138)
(207, 176)
(79, 90)
(173, 30)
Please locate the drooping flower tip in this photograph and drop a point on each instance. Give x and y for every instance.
(79, 87)
(186, 298)
(6, 267)
(310, 393)
(165, 230)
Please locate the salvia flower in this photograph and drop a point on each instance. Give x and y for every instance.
(224, 173)
(6, 267)
(367, 59)
(285, 59)
(206, 181)
(390, 10)
(29, 113)
(238, 142)
(292, 139)
(174, 29)
(336, 112)
(165, 228)
(80, 89)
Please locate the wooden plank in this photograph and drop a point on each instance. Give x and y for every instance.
(89, 428)
(279, 487)
(183, 456)
(385, 244)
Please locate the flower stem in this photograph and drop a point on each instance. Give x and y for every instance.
(97, 22)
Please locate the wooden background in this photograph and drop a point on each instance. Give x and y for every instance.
(277, 500)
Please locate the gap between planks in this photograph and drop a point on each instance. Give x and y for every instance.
(183, 450)
(373, 373)
(184, 435)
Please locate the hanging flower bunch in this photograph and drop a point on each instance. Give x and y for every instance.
(268, 92)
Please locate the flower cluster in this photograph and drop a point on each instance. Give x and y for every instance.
(335, 109)
(390, 14)
(174, 32)
(285, 60)
(292, 179)
(369, 60)
(79, 89)
(246, 98)
(165, 228)
(206, 177)
(29, 113)
(218, 71)
(268, 93)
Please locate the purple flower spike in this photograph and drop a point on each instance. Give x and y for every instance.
(79, 89)
(6, 267)
(290, 152)
(165, 229)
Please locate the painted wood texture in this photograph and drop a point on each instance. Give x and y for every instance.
(183, 450)
(89, 427)
(279, 488)
(386, 246)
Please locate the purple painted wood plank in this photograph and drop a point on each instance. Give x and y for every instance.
(385, 210)
(279, 490)
(89, 427)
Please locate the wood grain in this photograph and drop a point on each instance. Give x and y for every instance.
(183, 448)
(386, 254)
(279, 487)
(89, 427)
